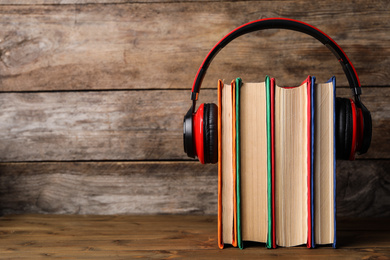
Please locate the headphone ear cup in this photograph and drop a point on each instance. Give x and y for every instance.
(344, 128)
(210, 132)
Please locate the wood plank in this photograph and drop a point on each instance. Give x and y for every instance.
(355, 224)
(83, 2)
(108, 188)
(71, 2)
(231, 253)
(161, 45)
(161, 188)
(25, 236)
(123, 125)
(116, 125)
(155, 241)
(363, 188)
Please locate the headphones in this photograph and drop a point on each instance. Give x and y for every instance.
(353, 120)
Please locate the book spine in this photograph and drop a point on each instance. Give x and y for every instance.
(273, 162)
(220, 240)
(269, 160)
(313, 80)
(333, 79)
(309, 173)
(234, 161)
(238, 163)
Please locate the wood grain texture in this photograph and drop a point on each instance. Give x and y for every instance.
(83, 2)
(115, 125)
(123, 125)
(161, 45)
(108, 188)
(164, 237)
(363, 188)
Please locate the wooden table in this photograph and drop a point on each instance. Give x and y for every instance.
(166, 237)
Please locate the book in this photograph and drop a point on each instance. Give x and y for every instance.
(253, 150)
(293, 164)
(227, 206)
(277, 163)
(324, 159)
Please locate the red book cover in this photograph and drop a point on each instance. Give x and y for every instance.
(309, 174)
(273, 160)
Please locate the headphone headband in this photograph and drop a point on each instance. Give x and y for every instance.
(280, 23)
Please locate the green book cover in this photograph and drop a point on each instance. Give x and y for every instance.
(238, 168)
(269, 161)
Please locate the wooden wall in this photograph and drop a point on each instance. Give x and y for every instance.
(93, 94)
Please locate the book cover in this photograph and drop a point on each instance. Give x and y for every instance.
(219, 88)
(272, 114)
(309, 162)
(313, 80)
(238, 164)
(269, 161)
(234, 155)
(333, 80)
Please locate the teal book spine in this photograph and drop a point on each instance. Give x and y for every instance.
(238, 163)
(269, 162)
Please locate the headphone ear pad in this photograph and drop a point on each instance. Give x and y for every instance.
(367, 129)
(210, 132)
(188, 134)
(344, 128)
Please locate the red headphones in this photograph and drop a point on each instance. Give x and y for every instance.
(353, 120)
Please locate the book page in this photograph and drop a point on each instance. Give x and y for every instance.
(324, 163)
(227, 164)
(291, 165)
(253, 143)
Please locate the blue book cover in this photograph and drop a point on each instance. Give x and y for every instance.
(333, 80)
(313, 81)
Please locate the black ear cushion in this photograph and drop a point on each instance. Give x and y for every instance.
(210, 133)
(188, 134)
(344, 128)
(367, 129)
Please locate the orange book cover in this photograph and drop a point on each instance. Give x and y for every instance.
(234, 243)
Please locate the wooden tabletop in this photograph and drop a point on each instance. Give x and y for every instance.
(166, 237)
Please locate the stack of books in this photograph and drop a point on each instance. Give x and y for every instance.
(277, 163)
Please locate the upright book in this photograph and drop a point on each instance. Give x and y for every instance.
(292, 164)
(253, 149)
(324, 163)
(227, 195)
